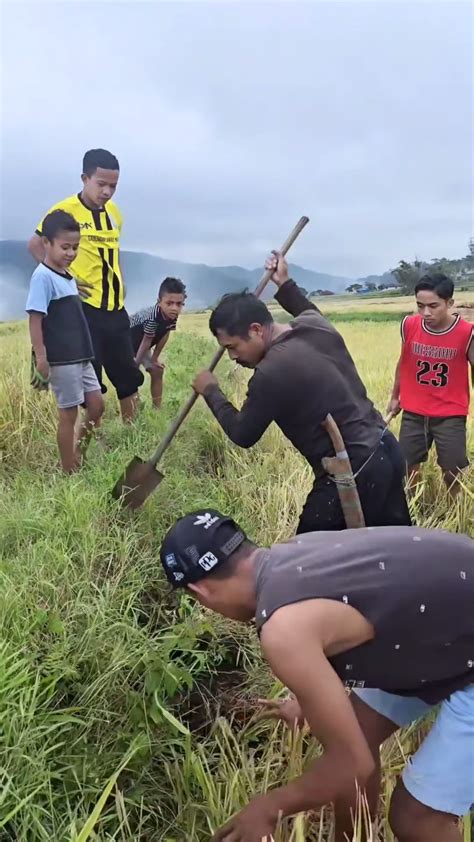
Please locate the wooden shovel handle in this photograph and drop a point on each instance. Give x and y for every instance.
(164, 444)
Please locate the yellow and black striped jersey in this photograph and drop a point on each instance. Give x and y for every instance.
(97, 261)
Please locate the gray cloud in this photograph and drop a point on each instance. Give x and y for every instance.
(230, 120)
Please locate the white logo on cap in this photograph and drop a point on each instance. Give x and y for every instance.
(205, 520)
(178, 575)
(208, 561)
(170, 560)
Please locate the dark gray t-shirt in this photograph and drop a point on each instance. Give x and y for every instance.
(415, 586)
(306, 373)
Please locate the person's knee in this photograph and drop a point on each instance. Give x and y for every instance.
(412, 821)
(94, 418)
(95, 408)
(128, 388)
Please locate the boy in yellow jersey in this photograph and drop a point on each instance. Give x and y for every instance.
(99, 276)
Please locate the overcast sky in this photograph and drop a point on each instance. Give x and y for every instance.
(231, 120)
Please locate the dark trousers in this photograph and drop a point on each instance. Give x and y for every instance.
(113, 350)
(380, 485)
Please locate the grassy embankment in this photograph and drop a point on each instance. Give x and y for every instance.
(97, 660)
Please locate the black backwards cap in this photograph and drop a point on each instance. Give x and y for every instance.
(197, 544)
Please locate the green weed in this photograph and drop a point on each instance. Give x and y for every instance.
(124, 713)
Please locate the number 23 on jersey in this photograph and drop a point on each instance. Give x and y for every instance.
(434, 369)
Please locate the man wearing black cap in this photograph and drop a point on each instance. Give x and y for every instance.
(387, 612)
(303, 371)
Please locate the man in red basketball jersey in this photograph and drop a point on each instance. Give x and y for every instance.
(432, 380)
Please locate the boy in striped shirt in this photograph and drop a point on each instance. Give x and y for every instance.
(150, 329)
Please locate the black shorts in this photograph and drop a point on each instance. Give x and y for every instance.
(381, 490)
(113, 351)
(418, 432)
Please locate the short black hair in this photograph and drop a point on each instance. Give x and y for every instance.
(436, 282)
(98, 158)
(236, 311)
(56, 221)
(172, 285)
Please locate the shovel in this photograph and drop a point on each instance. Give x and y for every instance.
(141, 478)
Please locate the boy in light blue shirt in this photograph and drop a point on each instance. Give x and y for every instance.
(62, 346)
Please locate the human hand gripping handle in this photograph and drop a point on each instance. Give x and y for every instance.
(393, 408)
(276, 269)
(270, 272)
(277, 265)
(141, 478)
(202, 380)
(218, 355)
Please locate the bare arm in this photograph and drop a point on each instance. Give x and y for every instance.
(36, 335)
(123, 279)
(470, 356)
(293, 641)
(159, 347)
(330, 716)
(36, 248)
(394, 401)
(144, 346)
(35, 325)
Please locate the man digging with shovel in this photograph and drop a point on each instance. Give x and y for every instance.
(303, 372)
(385, 611)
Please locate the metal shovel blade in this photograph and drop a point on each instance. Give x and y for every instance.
(141, 478)
(137, 483)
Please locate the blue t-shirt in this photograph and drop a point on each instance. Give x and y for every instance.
(65, 331)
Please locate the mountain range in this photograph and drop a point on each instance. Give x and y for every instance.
(143, 274)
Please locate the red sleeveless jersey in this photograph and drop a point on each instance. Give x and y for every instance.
(434, 371)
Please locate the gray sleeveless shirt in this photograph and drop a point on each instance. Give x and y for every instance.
(415, 586)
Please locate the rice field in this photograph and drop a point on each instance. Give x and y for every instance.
(124, 714)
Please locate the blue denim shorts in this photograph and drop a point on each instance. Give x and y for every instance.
(441, 773)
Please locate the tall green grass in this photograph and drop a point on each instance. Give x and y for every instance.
(355, 316)
(125, 714)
